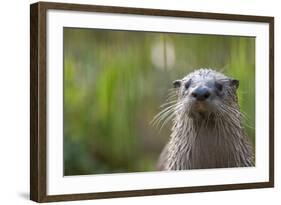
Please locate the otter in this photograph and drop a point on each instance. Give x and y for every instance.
(207, 129)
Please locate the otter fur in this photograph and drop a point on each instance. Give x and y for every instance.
(207, 127)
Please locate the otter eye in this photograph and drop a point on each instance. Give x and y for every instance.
(187, 84)
(218, 86)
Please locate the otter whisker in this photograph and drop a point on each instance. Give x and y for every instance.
(167, 120)
(166, 109)
(231, 120)
(243, 115)
(172, 96)
(165, 113)
(168, 103)
(163, 118)
(235, 110)
(234, 115)
(172, 92)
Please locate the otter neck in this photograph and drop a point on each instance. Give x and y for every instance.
(207, 143)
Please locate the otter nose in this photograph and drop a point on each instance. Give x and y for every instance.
(201, 93)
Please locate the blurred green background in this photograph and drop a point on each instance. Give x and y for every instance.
(115, 81)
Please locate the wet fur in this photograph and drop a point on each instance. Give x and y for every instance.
(217, 140)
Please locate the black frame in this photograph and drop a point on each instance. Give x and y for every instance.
(38, 112)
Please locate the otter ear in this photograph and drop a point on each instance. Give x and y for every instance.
(177, 83)
(235, 83)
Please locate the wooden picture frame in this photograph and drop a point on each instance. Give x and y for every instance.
(38, 100)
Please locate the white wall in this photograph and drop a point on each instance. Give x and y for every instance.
(14, 101)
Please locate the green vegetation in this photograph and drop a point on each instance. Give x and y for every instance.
(115, 81)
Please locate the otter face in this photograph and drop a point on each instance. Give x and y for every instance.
(204, 92)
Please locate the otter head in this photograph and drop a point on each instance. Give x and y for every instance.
(206, 92)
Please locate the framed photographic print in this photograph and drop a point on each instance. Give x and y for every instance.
(134, 102)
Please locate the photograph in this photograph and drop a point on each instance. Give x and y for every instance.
(140, 101)
(132, 102)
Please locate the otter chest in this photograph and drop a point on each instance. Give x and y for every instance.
(209, 150)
